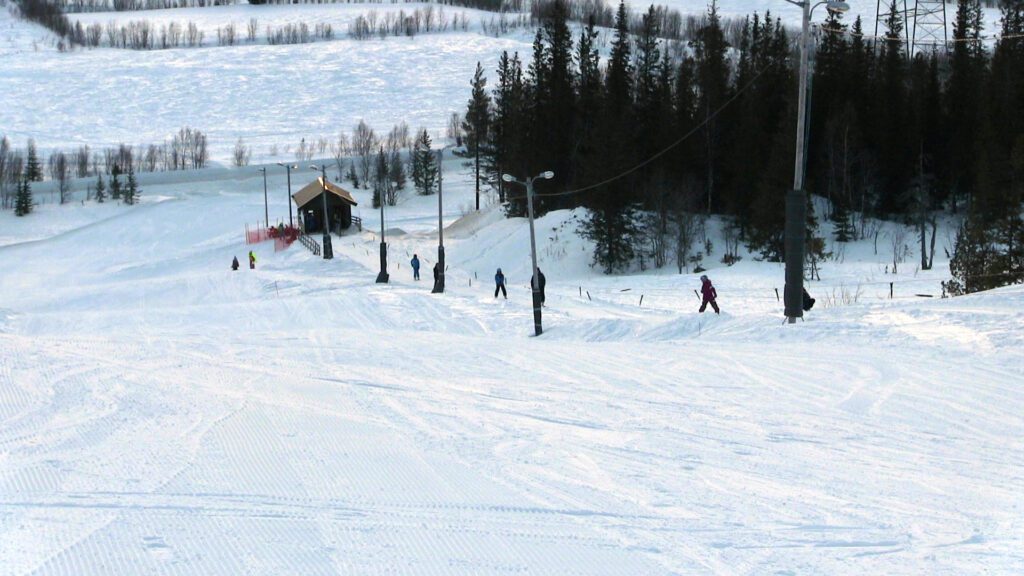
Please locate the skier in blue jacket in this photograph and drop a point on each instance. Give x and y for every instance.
(499, 284)
(415, 267)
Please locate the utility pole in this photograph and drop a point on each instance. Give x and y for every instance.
(477, 147)
(266, 209)
(439, 281)
(796, 199)
(328, 249)
(289, 168)
(382, 277)
(535, 281)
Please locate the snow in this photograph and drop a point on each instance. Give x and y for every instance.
(268, 95)
(160, 413)
(339, 16)
(271, 96)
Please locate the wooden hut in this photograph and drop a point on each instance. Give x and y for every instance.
(309, 203)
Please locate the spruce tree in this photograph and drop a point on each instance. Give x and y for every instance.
(963, 98)
(23, 199)
(895, 143)
(101, 189)
(115, 184)
(710, 53)
(353, 176)
(588, 103)
(396, 169)
(611, 221)
(131, 194)
(477, 122)
(33, 168)
(424, 165)
(380, 180)
(844, 231)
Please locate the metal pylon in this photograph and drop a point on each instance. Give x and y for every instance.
(929, 26)
(882, 12)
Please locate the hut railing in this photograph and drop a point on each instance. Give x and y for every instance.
(310, 244)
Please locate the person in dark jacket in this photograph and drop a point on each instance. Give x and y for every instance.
(415, 267)
(499, 284)
(708, 294)
(234, 263)
(437, 271)
(808, 301)
(542, 281)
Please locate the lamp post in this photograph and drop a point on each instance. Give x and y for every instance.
(382, 276)
(534, 282)
(328, 249)
(796, 199)
(289, 168)
(439, 281)
(266, 209)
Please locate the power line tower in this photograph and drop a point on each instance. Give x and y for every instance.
(929, 26)
(924, 24)
(882, 9)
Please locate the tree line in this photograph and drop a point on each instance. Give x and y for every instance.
(648, 137)
(19, 168)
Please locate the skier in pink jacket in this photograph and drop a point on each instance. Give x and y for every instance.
(709, 295)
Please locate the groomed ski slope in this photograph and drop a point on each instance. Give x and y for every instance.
(160, 414)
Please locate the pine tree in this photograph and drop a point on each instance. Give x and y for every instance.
(895, 149)
(477, 122)
(973, 265)
(34, 169)
(502, 154)
(380, 179)
(589, 102)
(353, 176)
(963, 99)
(396, 169)
(115, 184)
(844, 231)
(424, 165)
(101, 189)
(23, 199)
(611, 221)
(131, 194)
(710, 49)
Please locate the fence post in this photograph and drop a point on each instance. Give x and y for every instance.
(890, 290)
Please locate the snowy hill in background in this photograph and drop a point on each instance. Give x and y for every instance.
(272, 96)
(162, 414)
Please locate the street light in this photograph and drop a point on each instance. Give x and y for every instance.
(439, 281)
(266, 209)
(328, 249)
(534, 282)
(796, 199)
(289, 168)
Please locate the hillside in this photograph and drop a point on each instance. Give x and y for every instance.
(162, 414)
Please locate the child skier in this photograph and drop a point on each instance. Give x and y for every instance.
(708, 294)
(415, 267)
(499, 284)
(234, 263)
(252, 260)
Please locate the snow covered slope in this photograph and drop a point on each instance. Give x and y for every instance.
(160, 414)
(272, 96)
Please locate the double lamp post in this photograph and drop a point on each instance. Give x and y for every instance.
(796, 199)
(535, 281)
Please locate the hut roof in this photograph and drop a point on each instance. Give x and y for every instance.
(313, 189)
